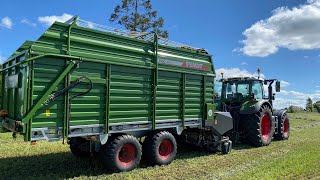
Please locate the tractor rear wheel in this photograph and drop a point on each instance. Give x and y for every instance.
(79, 147)
(283, 128)
(122, 153)
(160, 148)
(260, 127)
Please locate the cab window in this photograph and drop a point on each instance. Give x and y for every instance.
(243, 89)
(217, 90)
(257, 90)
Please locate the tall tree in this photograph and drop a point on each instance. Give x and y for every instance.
(309, 104)
(138, 15)
(316, 105)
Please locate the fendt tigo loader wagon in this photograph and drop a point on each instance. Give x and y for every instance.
(102, 89)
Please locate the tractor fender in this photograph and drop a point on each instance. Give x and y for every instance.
(251, 107)
(279, 113)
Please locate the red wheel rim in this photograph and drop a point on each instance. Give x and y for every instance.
(286, 127)
(165, 149)
(126, 154)
(265, 127)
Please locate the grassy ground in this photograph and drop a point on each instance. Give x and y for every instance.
(297, 158)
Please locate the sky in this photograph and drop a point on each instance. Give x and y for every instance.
(282, 37)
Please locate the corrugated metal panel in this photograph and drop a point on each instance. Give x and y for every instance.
(209, 90)
(45, 72)
(169, 96)
(90, 108)
(194, 96)
(130, 94)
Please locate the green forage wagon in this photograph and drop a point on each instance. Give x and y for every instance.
(102, 89)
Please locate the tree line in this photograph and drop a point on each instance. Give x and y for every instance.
(310, 107)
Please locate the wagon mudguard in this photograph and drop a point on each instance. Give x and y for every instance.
(253, 106)
(221, 124)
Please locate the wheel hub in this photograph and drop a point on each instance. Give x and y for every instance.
(265, 127)
(165, 149)
(126, 155)
(286, 127)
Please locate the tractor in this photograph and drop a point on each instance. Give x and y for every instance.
(254, 120)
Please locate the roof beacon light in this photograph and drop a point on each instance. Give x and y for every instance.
(258, 73)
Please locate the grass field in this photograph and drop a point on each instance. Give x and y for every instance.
(297, 158)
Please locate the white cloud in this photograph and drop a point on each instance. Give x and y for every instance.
(49, 20)
(28, 22)
(244, 63)
(236, 50)
(295, 98)
(235, 72)
(284, 83)
(295, 29)
(91, 25)
(6, 22)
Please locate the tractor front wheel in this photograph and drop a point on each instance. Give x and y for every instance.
(283, 128)
(260, 128)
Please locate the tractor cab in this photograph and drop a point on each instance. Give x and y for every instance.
(241, 89)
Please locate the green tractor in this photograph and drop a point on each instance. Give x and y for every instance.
(254, 120)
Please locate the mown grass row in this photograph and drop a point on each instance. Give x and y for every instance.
(296, 158)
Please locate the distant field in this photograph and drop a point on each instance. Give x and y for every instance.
(297, 158)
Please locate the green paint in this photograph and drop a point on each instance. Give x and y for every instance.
(47, 93)
(129, 84)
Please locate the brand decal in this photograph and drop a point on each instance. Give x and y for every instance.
(190, 65)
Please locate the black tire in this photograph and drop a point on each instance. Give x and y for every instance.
(121, 154)
(226, 147)
(159, 148)
(260, 128)
(283, 127)
(79, 147)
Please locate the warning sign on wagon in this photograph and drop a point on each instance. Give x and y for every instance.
(48, 113)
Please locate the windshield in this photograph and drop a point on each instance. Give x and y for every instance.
(257, 90)
(217, 90)
(236, 90)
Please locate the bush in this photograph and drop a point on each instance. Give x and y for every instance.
(295, 109)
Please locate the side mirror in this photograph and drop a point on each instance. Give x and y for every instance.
(278, 86)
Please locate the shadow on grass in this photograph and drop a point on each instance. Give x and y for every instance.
(64, 165)
(239, 146)
(50, 166)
